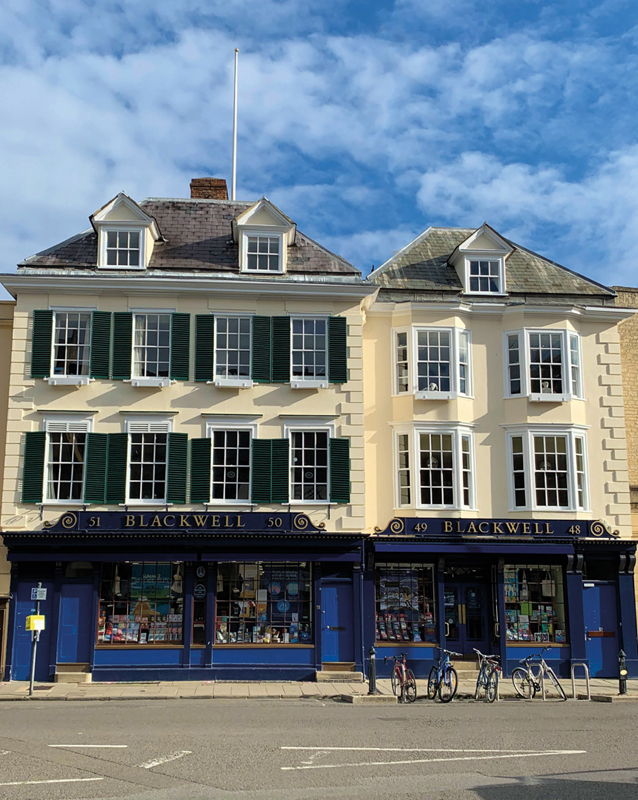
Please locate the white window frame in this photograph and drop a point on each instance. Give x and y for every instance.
(485, 256)
(297, 382)
(245, 234)
(308, 425)
(70, 380)
(231, 424)
(149, 424)
(236, 382)
(455, 367)
(524, 353)
(144, 380)
(527, 433)
(414, 450)
(64, 423)
(120, 227)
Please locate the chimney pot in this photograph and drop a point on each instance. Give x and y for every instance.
(209, 189)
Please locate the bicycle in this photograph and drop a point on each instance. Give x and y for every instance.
(528, 679)
(443, 679)
(488, 678)
(402, 679)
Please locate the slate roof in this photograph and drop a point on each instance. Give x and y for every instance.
(198, 236)
(421, 272)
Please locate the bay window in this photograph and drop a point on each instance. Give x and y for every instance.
(543, 365)
(433, 363)
(435, 467)
(547, 469)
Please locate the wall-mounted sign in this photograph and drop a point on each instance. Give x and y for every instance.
(200, 572)
(199, 592)
(96, 522)
(496, 528)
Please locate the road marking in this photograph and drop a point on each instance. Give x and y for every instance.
(412, 749)
(433, 760)
(4, 752)
(87, 745)
(58, 780)
(172, 757)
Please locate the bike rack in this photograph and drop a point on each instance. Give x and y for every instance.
(586, 668)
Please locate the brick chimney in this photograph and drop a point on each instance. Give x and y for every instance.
(209, 189)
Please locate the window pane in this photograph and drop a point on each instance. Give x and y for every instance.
(405, 603)
(433, 361)
(551, 471)
(546, 363)
(65, 467)
(151, 351)
(231, 457)
(309, 349)
(309, 466)
(71, 351)
(534, 603)
(147, 478)
(436, 470)
(232, 351)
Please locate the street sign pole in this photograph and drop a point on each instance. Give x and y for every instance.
(37, 595)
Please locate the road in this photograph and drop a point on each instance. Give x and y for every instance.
(319, 749)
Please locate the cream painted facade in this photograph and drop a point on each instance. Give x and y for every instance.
(489, 412)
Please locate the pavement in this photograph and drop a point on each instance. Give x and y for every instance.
(603, 690)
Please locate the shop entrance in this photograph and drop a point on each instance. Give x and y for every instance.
(601, 629)
(466, 620)
(337, 641)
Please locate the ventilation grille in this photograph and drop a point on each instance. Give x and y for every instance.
(79, 426)
(149, 427)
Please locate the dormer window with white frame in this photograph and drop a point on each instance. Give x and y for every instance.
(263, 234)
(480, 262)
(432, 363)
(126, 234)
(543, 365)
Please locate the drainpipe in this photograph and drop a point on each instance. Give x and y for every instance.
(361, 614)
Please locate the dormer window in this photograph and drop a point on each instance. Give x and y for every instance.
(123, 248)
(264, 234)
(485, 276)
(263, 253)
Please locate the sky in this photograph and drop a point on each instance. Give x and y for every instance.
(366, 122)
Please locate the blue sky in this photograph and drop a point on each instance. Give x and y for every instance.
(364, 121)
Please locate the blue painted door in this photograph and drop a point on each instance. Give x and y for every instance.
(21, 662)
(337, 622)
(466, 623)
(75, 632)
(601, 629)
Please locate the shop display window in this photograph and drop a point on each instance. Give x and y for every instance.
(141, 604)
(405, 603)
(264, 603)
(534, 603)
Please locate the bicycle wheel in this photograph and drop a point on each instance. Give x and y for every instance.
(433, 683)
(480, 684)
(491, 690)
(556, 682)
(524, 686)
(396, 681)
(409, 687)
(449, 685)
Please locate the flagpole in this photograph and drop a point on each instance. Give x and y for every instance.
(234, 180)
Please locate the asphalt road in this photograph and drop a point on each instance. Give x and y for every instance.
(263, 749)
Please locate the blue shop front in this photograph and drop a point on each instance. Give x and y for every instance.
(511, 587)
(169, 596)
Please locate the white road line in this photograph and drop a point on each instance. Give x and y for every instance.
(433, 760)
(172, 757)
(411, 749)
(59, 780)
(87, 745)
(4, 752)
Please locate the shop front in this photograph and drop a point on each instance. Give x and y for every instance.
(165, 596)
(509, 587)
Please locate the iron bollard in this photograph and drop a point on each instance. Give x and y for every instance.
(622, 673)
(372, 674)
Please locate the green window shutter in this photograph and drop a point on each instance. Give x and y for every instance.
(180, 346)
(337, 350)
(260, 470)
(33, 475)
(339, 470)
(281, 349)
(261, 349)
(95, 468)
(177, 468)
(116, 468)
(101, 345)
(204, 346)
(41, 344)
(280, 471)
(200, 470)
(122, 344)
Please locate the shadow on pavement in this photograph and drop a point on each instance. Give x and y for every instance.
(585, 786)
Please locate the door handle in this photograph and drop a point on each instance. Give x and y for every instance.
(460, 608)
(497, 629)
(447, 629)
